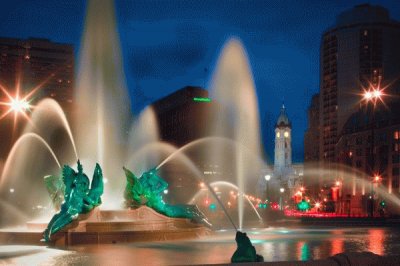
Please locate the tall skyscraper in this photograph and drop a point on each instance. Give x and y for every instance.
(311, 146)
(31, 63)
(359, 51)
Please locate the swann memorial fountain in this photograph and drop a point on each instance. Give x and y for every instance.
(103, 212)
(148, 217)
(118, 206)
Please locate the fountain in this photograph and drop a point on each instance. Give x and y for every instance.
(237, 117)
(102, 132)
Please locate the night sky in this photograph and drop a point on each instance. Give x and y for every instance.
(170, 44)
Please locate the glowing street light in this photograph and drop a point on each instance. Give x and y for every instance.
(280, 198)
(368, 95)
(376, 93)
(19, 105)
(373, 95)
(267, 178)
(16, 105)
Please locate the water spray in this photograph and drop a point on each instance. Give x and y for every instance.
(222, 205)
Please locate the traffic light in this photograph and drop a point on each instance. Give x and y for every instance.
(383, 204)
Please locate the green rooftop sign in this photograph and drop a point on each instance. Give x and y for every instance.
(202, 99)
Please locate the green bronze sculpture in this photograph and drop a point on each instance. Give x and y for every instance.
(147, 190)
(77, 196)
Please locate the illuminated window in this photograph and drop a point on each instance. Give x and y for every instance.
(278, 134)
(286, 134)
(396, 134)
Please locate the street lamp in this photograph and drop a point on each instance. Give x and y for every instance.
(267, 178)
(282, 190)
(373, 95)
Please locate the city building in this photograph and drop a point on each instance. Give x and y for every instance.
(311, 146)
(369, 146)
(360, 50)
(359, 53)
(184, 116)
(26, 64)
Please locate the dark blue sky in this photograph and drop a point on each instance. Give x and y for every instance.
(168, 44)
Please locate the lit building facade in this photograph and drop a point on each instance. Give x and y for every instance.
(370, 148)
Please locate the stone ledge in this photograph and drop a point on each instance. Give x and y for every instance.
(342, 259)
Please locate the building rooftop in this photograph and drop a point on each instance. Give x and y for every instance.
(283, 120)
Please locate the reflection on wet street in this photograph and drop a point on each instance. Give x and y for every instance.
(275, 244)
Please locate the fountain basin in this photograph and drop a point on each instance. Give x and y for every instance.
(110, 227)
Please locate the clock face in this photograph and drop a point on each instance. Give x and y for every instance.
(286, 134)
(278, 134)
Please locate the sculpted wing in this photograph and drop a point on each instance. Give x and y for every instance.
(68, 175)
(55, 187)
(133, 189)
(97, 186)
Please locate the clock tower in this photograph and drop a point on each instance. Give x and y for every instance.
(283, 147)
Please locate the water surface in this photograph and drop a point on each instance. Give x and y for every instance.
(275, 244)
